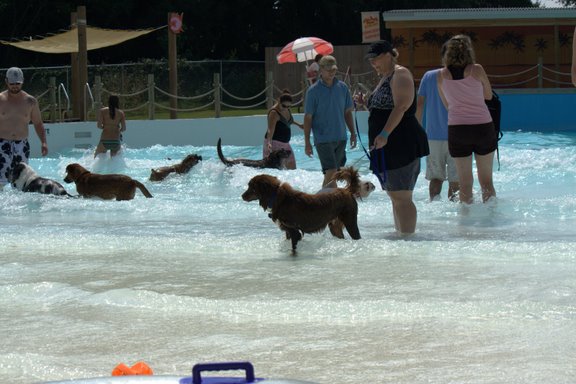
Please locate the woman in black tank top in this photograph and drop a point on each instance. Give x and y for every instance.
(279, 132)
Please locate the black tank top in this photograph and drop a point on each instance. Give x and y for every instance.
(282, 131)
(408, 141)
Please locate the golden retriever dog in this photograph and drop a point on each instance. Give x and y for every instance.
(88, 184)
(297, 212)
(184, 166)
(358, 188)
(276, 159)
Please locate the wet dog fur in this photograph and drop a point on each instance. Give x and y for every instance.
(358, 188)
(297, 212)
(88, 184)
(184, 166)
(25, 179)
(276, 159)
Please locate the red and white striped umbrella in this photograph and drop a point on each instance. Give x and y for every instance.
(304, 49)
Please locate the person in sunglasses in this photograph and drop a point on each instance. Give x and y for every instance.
(17, 110)
(279, 132)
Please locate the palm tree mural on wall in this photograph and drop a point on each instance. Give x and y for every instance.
(508, 39)
(541, 45)
(564, 39)
(433, 38)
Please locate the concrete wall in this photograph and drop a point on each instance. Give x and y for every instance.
(541, 110)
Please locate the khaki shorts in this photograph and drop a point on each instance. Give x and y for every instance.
(439, 164)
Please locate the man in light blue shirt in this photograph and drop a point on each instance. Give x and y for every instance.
(327, 113)
(439, 164)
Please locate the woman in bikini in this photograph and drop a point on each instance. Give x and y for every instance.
(112, 122)
(279, 132)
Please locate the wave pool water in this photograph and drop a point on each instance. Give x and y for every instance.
(480, 294)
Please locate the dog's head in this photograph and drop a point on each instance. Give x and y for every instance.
(354, 185)
(74, 171)
(156, 175)
(190, 161)
(262, 188)
(366, 188)
(277, 158)
(22, 174)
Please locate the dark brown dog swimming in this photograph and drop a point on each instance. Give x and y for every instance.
(297, 212)
(88, 184)
(276, 159)
(184, 166)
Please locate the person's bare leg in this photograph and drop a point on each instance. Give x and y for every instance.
(404, 211)
(465, 177)
(328, 182)
(99, 149)
(484, 166)
(435, 188)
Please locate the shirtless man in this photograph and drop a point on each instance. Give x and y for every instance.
(17, 110)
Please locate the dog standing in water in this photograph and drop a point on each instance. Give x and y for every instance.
(297, 212)
(358, 188)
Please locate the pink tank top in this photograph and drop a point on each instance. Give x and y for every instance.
(466, 105)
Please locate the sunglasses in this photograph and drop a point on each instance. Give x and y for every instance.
(12, 84)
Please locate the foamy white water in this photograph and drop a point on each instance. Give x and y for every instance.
(481, 294)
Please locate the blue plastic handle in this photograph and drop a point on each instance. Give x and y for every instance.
(228, 366)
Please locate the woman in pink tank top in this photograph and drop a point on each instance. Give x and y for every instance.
(464, 87)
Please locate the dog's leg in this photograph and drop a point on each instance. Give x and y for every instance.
(295, 236)
(352, 228)
(336, 228)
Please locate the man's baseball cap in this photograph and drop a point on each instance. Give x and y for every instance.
(14, 75)
(328, 62)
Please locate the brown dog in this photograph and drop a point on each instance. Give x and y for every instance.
(184, 166)
(275, 159)
(297, 212)
(119, 187)
(358, 188)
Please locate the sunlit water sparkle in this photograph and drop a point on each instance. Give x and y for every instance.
(480, 294)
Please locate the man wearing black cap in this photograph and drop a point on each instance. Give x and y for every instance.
(327, 113)
(17, 110)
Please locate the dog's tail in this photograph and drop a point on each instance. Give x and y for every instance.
(351, 177)
(221, 155)
(143, 189)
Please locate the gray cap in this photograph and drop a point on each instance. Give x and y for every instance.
(14, 75)
(328, 62)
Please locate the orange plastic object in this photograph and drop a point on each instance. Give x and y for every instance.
(140, 368)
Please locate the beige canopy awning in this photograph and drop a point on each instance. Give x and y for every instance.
(67, 42)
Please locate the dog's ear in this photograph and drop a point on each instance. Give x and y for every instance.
(264, 187)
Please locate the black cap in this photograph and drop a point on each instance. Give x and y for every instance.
(378, 48)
